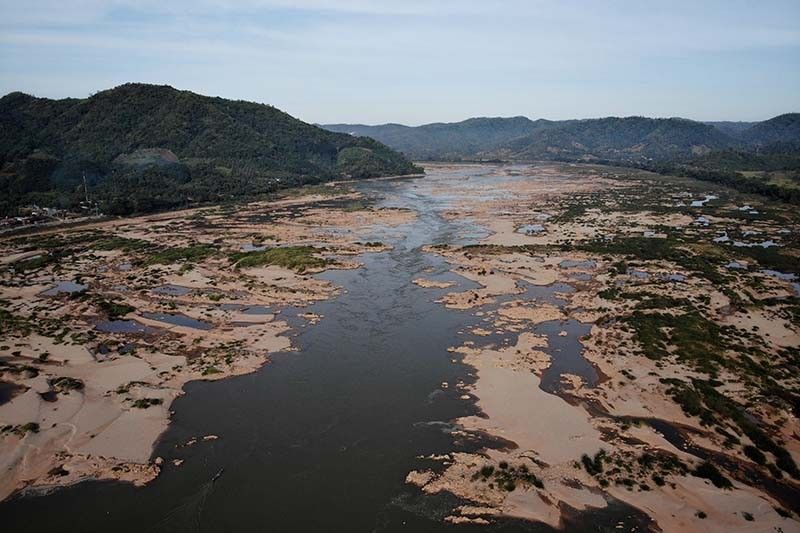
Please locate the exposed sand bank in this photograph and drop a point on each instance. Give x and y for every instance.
(179, 319)
(546, 435)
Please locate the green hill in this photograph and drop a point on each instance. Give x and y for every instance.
(460, 140)
(621, 139)
(519, 138)
(729, 127)
(146, 147)
(783, 128)
(635, 140)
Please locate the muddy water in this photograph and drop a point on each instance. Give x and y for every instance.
(321, 439)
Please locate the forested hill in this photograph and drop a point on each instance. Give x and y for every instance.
(629, 139)
(781, 129)
(146, 147)
(466, 139)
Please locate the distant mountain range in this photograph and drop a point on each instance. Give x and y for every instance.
(629, 139)
(144, 147)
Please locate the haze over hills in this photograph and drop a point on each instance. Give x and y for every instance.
(144, 147)
(628, 139)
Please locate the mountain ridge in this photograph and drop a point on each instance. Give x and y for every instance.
(633, 138)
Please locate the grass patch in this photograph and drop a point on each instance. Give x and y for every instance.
(122, 243)
(356, 205)
(112, 309)
(705, 262)
(695, 339)
(38, 262)
(188, 254)
(297, 258)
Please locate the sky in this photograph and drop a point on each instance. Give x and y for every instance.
(420, 61)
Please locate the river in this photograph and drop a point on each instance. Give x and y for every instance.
(321, 439)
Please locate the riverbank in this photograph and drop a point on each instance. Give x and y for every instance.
(583, 235)
(103, 325)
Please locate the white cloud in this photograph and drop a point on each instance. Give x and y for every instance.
(448, 57)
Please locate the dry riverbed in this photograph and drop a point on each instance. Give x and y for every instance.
(685, 299)
(103, 324)
(635, 338)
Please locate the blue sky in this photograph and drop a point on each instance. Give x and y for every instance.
(418, 61)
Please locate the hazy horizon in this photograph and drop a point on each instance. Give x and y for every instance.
(412, 63)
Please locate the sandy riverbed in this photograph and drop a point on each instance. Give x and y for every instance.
(548, 434)
(183, 320)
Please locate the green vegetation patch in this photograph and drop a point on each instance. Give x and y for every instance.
(593, 465)
(144, 403)
(21, 429)
(122, 243)
(208, 371)
(703, 261)
(113, 309)
(38, 262)
(630, 470)
(297, 258)
(56, 248)
(65, 384)
(56, 241)
(701, 399)
(710, 472)
(507, 477)
(772, 258)
(644, 299)
(695, 339)
(188, 254)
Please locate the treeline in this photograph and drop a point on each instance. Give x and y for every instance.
(124, 191)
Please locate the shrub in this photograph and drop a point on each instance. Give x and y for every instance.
(33, 427)
(709, 471)
(114, 309)
(65, 384)
(594, 466)
(144, 403)
(755, 454)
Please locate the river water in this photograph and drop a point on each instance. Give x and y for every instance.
(322, 439)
